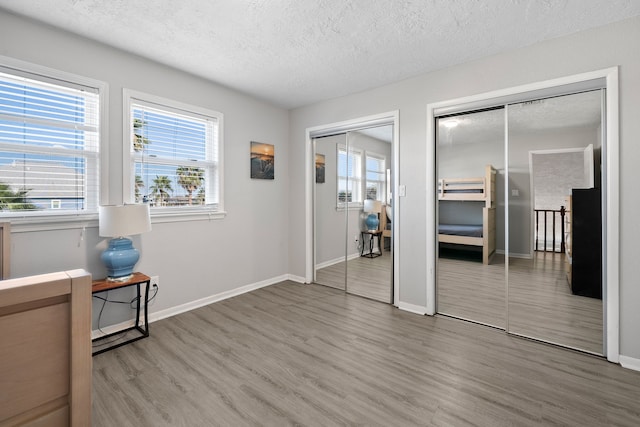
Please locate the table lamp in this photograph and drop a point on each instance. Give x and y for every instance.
(373, 207)
(118, 222)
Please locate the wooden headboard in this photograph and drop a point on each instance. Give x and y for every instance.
(45, 351)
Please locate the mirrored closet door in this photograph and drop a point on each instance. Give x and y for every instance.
(330, 219)
(471, 268)
(353, 218)
(543, 277)
(555, 220)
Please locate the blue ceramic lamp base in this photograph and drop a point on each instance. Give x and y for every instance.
(120, 258)
(372, 222)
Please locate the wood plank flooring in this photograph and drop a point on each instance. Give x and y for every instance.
(472, 290)
(541, 304)
(367, 277)
(310, 355)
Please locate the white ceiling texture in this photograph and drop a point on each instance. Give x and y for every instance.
(575, 111)
(298, 52)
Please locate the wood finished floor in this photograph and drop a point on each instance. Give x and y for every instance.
(367, 277)
(541, 304)
(293, 354)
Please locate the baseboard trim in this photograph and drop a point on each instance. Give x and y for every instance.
(97, 333)
(340, 259)
(630, 363)
(412, 308)
(329, 263)
(354, 255)
(515, 254)
(182, 308)
(163, 314)
(297, 279)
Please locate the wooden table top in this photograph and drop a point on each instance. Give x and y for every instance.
(105, 285)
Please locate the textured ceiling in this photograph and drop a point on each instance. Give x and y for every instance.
(575, 111)
(294, 53)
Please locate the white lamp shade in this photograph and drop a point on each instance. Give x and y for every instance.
(124, 220)
(372, 206)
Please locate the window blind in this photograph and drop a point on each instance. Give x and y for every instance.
(349, 175)
(49, 145)
(175, 156)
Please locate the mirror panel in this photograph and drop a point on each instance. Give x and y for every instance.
(369, 248)
(353, 174)
(554, 156)
(471, 268)
(330, 220)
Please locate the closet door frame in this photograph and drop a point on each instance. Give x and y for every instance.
(607, 79)
(382, 119)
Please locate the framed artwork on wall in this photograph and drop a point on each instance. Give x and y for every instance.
(262, 160)
(320, 168)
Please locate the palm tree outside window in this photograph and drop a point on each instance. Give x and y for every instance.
(174, 152)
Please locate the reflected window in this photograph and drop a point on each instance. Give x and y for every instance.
(375, 177)
(349, 176)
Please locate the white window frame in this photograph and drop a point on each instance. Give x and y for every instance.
(175, 213)
(357, 196)
(381, 195)
(96, 161)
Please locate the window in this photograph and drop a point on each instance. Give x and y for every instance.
(49, 143)
(174, 152)
(375, 177)
(349, 176)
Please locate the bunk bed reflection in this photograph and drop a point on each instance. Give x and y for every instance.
(477, 234)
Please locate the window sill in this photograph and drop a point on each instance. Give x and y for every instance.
(352, 206)
(23, 224)
(160, 215)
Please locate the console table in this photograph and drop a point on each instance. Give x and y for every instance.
(137, 279)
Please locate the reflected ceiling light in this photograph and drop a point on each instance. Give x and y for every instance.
(451, 123)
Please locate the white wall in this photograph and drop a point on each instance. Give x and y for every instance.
(613, 45)
(193, 259)
(555, 175)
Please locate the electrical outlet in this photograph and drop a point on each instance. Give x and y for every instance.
(155, 281)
